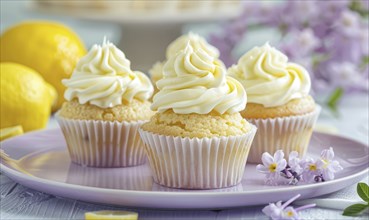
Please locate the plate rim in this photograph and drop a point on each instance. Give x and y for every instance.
(189, 193)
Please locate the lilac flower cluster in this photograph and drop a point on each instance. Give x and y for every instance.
(279, 172)
(329, 38)
(279, 211)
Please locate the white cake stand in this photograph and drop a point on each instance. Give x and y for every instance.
(145, 35)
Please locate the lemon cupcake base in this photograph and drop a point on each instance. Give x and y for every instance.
(197, 163)
(197, 125)
(136, 110)
(294, 107)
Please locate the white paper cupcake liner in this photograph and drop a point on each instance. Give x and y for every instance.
(103, 143)
(291, 133)
(197, 163)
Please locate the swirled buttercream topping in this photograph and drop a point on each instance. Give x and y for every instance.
(268, 78)
(104, 78)
(196, 42)
(196, 82)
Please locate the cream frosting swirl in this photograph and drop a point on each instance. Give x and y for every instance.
(268, 78)
(196, 82)
(196, 42)
(104, 78)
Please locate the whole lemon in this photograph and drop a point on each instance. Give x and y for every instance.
(50, 48)
(26, 98)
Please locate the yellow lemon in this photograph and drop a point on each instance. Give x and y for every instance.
(26, 98)
(10, 132)
(50, 48)
(111, 215)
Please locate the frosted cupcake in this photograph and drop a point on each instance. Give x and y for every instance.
(196, 42)
(107, 103)
(198, 139)
(279, 103)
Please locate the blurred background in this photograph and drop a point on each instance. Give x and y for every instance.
(329, 38)
(142, 29)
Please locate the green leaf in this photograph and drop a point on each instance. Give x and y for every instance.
(363, 191)
(333, 100)
(354, 210)
(364, 62)
(359, 8)
(335, 97)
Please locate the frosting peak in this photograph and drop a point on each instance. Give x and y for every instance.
(268, 78)
(196, 42)
(104, 78)
(196, 82)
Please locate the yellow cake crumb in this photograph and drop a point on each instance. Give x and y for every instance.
(136, 110)
(197, 125)
(293, 107)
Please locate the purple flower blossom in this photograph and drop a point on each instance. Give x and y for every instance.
(344, 48)
(274, 210)
(348, 23)
(299, 13)
(332, 9)
(272, 166)
(300, 43)
(310, 170)
(322, 169)
(327, 165)
(346, 75)
(279, 211)
(294, 162)
(293, 170)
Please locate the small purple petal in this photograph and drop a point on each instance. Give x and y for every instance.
(293, 154)
(278, 155)
(281, 165)
(266, 158)
(262, 168)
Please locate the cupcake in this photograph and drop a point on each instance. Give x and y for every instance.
(279, 103)
(195, 40)
(198, 139)
(106, 104)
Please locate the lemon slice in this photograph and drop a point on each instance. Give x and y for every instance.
(10, 132)
(109, 215)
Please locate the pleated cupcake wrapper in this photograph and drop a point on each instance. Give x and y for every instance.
(291, 133)
(102, 143)
(197, 163)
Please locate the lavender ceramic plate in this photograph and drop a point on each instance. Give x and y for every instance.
(43, 154)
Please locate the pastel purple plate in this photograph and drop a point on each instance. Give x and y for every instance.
(43, 154)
